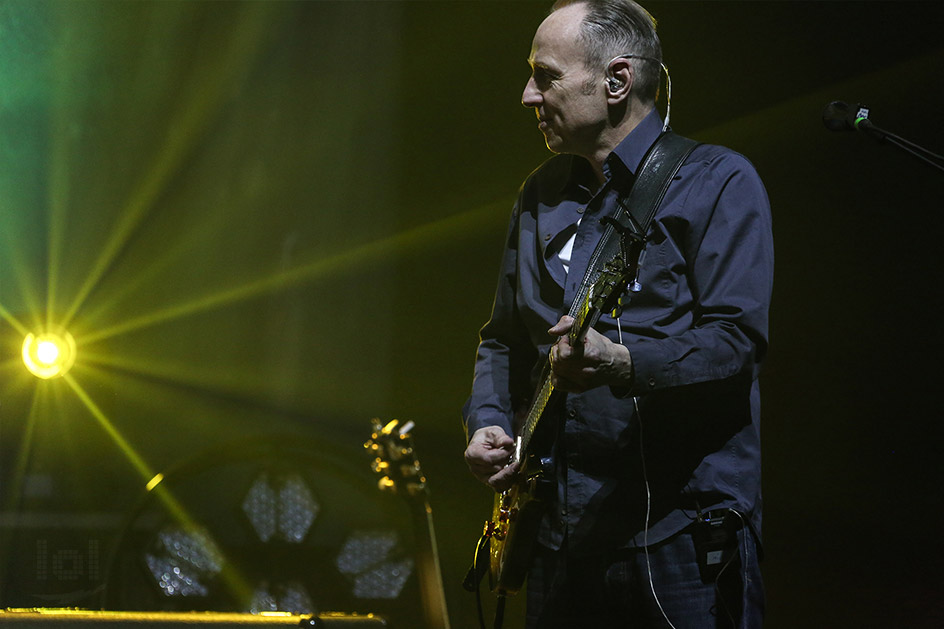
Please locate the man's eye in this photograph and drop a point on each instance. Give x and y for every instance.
(543, 78)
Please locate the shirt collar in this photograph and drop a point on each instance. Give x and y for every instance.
(627, 156)
(630, 152)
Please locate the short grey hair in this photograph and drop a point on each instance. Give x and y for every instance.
(612, 28)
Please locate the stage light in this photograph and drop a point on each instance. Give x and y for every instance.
(49, 354)
(291, 597)
(369, 559)
(185, 561)
(280, 507)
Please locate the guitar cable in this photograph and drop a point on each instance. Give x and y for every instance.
(645, 476)
(645, 532)
(473, 582)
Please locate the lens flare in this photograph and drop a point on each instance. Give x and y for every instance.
(50, 354)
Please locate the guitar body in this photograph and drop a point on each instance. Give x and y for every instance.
(516, 516)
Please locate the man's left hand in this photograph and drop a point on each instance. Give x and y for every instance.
(596, 362)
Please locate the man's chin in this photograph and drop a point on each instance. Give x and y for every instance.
(554, 143)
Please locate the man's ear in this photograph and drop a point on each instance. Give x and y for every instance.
(619, 80)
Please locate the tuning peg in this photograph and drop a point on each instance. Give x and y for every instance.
(389, 427)
(379, 466)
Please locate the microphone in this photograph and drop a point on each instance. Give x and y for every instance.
(839, 116)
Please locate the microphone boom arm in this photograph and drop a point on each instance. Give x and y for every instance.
(838, 116)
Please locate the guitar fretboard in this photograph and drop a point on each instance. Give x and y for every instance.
(534, 415)
(543, 397)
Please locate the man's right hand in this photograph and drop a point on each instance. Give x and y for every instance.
(488, 454)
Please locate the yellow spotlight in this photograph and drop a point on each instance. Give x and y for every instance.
(49, 354)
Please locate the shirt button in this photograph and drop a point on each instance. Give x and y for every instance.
(580, 210)
(571, 413)
(547, 237)
(652, 382)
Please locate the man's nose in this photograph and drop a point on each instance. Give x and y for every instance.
(531, 96)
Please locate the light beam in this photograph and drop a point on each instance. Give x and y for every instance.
(443, 231)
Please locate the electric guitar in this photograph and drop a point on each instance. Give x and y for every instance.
(396, 463)
(517, 511)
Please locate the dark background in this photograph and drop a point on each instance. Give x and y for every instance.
(272, 221)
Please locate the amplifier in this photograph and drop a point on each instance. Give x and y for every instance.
(83, 619)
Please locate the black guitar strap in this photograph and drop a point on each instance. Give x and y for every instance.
(635, 210)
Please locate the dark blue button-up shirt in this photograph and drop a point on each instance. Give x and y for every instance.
(697, 333)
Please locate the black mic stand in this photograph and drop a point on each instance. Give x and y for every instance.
(911, 148)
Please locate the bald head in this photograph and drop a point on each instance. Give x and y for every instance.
(611, 28)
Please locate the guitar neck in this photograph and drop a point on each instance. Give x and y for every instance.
(542, 398)
(535, 413)
(429, 574)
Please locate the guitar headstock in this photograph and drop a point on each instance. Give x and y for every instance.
(604, 295)
(610, 284)
(395, 461)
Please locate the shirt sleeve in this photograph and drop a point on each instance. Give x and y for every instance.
(505, 354)
(727, 246)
